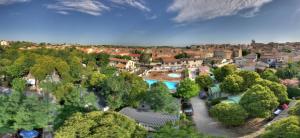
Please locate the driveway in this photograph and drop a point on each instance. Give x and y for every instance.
(205, 123)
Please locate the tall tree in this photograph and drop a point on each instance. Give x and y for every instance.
(249, 78)
(233, 84)
(229, 114)
(100, 124)
(284, 128)
(204, 81)
(259, 101)
(187, 89)
(160, 99)
(221, 73)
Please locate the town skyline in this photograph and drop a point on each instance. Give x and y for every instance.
(146, 23)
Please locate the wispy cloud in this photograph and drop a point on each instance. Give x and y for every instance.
(92, 7)
(140, 4)
(195, 10)
(5, 2)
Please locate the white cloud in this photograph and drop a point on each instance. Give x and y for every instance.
(195, 10)
(140, 4)
(5, 2)
(92, 7)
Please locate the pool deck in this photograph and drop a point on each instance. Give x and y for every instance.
(162, 76)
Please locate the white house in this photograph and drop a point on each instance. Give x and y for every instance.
(187, 62)
(4, 43)
(122, 63)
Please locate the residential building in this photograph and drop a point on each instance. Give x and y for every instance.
(185, 62)
(122, 64)
(4, 43)
(148, 119)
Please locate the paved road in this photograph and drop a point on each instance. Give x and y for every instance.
(205, 123)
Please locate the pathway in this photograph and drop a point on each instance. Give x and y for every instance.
(205, 123)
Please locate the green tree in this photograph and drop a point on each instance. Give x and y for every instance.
(19, 84)
(99, 124)
(270, 75)
(138, 88)
(295, 110)
(19, 111)
(187, 89)
(76, 99)
(278, 89)
(182, 129)
(289, 72)
(233, 84)
(204, 81)
(249, 78)
(102, 59)
(145, 58)
(160, 99)
(96, 79)
(221, 73)
(229, 114)
(259, 101)
(284, 128)
(182, 55)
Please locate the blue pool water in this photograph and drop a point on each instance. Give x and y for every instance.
(174, 75)
(169, 84)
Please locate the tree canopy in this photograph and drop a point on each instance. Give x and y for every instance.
(233, 84)
(19, 111)
(221, 73)
(229, 114)
(249, 78)
(99, 124)
(259, 101)
(284, 128)
(187, 89)
(204, 81)
(160, 99)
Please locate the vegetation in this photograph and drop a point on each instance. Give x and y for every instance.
(278, 89)
(284, 128)
(249, 78)
(259, 101)
(187, 89)
(160, 99)
(295, 110)
(204, 81)
(221, 73)
(270, 75)
(182, 129)
(182, 55)
(233, 84)
(18, 111)
(229, 114)
(123, 90)
(99, 124)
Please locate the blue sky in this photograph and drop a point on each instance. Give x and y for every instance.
(150, 22)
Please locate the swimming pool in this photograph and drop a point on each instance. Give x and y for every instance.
(174, 75)
(169, 84)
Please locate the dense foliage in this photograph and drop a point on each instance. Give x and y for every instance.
(232, 84)
(182, 55)
(204, 81)
(229, 114)
(160, 99)
(182, 129)
(284, 128)
(99, 124)
(187, 89)
(18, 111)
(123, 90)
(259, 101)
(221, 73)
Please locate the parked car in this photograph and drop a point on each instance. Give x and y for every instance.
(202, 95)
(187, 108)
